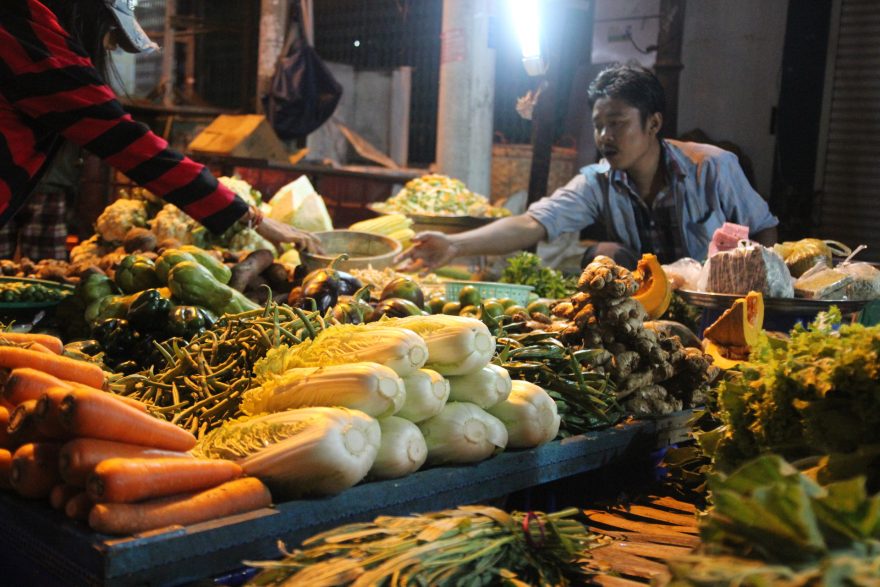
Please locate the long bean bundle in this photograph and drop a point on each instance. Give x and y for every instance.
(585, 398)
(471, 545)
(203, 380)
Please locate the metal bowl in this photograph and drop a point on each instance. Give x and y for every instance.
(363, 248)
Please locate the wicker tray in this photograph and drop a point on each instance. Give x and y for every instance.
(800, 306)
(443, 223)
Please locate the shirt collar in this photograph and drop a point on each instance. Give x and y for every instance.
(672, 158)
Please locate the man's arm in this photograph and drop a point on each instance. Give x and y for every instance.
(767, 237)
(433, 249)
(500, 237)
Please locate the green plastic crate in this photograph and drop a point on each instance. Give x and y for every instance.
(491, 289)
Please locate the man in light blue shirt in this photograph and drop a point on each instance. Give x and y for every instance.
(651, 195)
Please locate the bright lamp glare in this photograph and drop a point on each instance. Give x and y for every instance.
(527, 22)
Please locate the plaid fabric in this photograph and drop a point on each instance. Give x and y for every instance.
(658, 227)
(39, 229)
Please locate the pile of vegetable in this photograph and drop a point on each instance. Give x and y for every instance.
(201, 380)
(471, 545)
(653, 373)
(771, 525)
(101, 457)
(526, 268)
(375, 401)
(814, 396)
(439, 195)
(19, 292)
(138, 221)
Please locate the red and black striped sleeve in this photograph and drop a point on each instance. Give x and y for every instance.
(48, 78)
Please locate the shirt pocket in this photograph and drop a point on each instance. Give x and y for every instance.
(701, 230)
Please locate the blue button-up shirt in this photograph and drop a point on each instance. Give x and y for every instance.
(706, 184)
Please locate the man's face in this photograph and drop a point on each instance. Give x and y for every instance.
(620, 135)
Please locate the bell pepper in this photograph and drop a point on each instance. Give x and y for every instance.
(195, 285)
(136, 273)
(149, 310)
(218, 269)
(116, 336)
(188, 321)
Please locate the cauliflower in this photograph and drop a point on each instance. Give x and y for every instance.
(248, 239)
(119, 217)
(242, 189)
(172, 222)
(89, 252)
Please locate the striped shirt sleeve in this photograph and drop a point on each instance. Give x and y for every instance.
(47, 77)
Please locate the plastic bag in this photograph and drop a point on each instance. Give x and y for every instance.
(822, 283)
(299, 205)
(684, 273)
(749, 267)
(865, 283)
(800, 256)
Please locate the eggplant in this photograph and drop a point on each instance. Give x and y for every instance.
(326, 285)
(395, 308)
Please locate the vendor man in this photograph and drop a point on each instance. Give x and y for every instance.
(652, 195)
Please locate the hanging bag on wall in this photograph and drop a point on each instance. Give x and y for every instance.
(303, 93)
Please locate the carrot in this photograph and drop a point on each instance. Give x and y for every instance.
(35, 346)
(25, 383)
(23, 425)
(79, 457)
(128, 480)
(234, 497)
(5, 469)
(48, 414)
(78, 506)
(51, 343)
(71, 369)
(35, 469)
(124, 399)
(61, 494)
(98, 415)
(5, 440)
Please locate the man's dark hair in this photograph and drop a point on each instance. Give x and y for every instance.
(633, 84)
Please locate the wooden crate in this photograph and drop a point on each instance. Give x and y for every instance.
(39, 546)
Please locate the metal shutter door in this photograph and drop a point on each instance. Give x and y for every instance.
(848, 175)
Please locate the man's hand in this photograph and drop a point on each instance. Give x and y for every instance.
(280, 232)
(429, 250)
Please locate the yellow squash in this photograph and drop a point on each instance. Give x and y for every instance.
(655, 292)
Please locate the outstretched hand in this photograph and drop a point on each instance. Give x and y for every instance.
(429, 250)
(280, 232)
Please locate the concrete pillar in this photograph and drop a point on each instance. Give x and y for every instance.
(273, 26)
(467, 94)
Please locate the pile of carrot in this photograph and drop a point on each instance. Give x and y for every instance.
(101, 457)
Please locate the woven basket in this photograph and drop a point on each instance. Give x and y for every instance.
(511, 165)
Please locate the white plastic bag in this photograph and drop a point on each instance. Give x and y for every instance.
(299, 205)
(684, 273)
(865, 283)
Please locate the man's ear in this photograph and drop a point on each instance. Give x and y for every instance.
(655, 123)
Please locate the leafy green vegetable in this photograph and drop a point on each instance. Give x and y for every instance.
(525, 269)
(794, 531)
(819, 394)
(471, 545)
